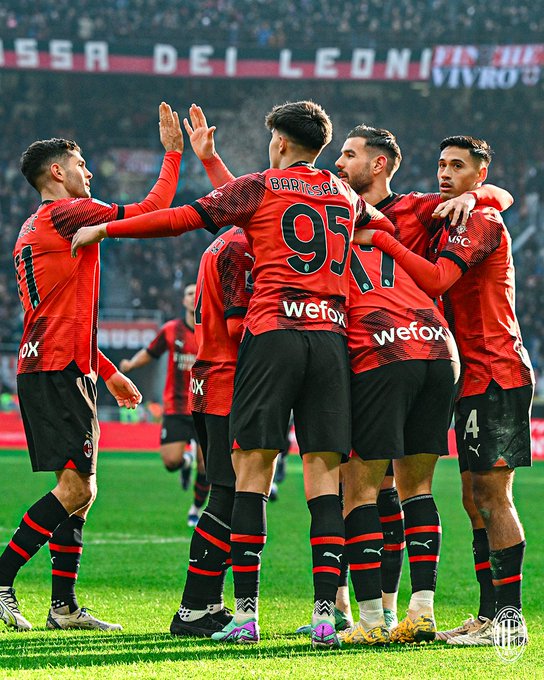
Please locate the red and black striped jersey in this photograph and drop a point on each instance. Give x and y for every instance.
(223, 290)
(178, 339)
(299, 222)
(59, 293)
(480, 306)
(389, 317)
(411, 215)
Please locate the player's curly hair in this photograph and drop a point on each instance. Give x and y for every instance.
(40, 154)
(304, 123)
(479, 149)
(381, 139)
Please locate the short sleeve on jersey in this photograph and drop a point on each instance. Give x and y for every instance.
(70, 215)
(232, 203)
(159, 345)
(470, 245)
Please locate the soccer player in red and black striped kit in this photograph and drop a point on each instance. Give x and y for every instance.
(59, 362)
(224, 287)
(299, 221)
(471, 266)
(177, 337)
(369, 159)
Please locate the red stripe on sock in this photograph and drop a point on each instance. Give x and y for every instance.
(508, 579)
(66, 574)
(20, 551)
(36, 527)
(328, 570)
(364, 537)
(482, 565)
(428, 528)
(394, 546)
(368, 565)
(204, 487)
(212, 539)
(65, 548)
(392, 518)
(424, 558)
(204, 572)
(253, 567)
(247, 538)
(321, 540)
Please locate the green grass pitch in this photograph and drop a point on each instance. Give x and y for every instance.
(133, 570)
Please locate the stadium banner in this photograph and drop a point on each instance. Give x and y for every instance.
(126, 335)
(198, 61)
(486, 67)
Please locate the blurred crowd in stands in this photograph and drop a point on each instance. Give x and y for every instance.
(114, 119)
(259, 23)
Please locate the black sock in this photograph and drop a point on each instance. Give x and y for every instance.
(200, 489)
(364, 548)
(210, 548)
(392, 521)
(35, 529)
(66, 546)
(482, 565)
(248, 536)
(506, 569)
(327, 541)
(423, 538)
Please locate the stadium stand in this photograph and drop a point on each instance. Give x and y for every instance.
(272, 24)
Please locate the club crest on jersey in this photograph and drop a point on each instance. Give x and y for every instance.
(216, 246)
(88, 445)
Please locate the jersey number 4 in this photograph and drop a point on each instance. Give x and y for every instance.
(317, 245)
(25, 258)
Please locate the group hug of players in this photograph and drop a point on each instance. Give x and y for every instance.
(314, 304)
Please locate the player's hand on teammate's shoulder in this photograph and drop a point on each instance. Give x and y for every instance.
(124, 390)
(200, 135)
(87, 235)
(458, 209)
(170, 129)
(363, 237)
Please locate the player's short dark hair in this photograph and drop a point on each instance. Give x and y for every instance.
(191, 283)
(479, 149)
(304, 123)
(381, 139)
(39, 156)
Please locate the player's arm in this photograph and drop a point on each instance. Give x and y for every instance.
(235, 328)
(141, 358)
(458, 209)
(202, 141)
(161, 223)
(163, 192)
(433, 279)
(210, 212)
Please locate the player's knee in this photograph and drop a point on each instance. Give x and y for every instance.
(171, 466)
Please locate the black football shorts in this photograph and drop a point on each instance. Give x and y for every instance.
(177, 428)
(213, 434)
(60, 420)
(402, 408)
(303, 371)
(494, 429)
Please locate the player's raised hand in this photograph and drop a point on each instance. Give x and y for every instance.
(124, 390)
(363, 237)
(170, 129)
(200, 135)
(458, 209)
(87, 235)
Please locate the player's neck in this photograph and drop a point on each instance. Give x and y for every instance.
(377, 192)
(54, 193)
(296, 157)
(190, 320)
